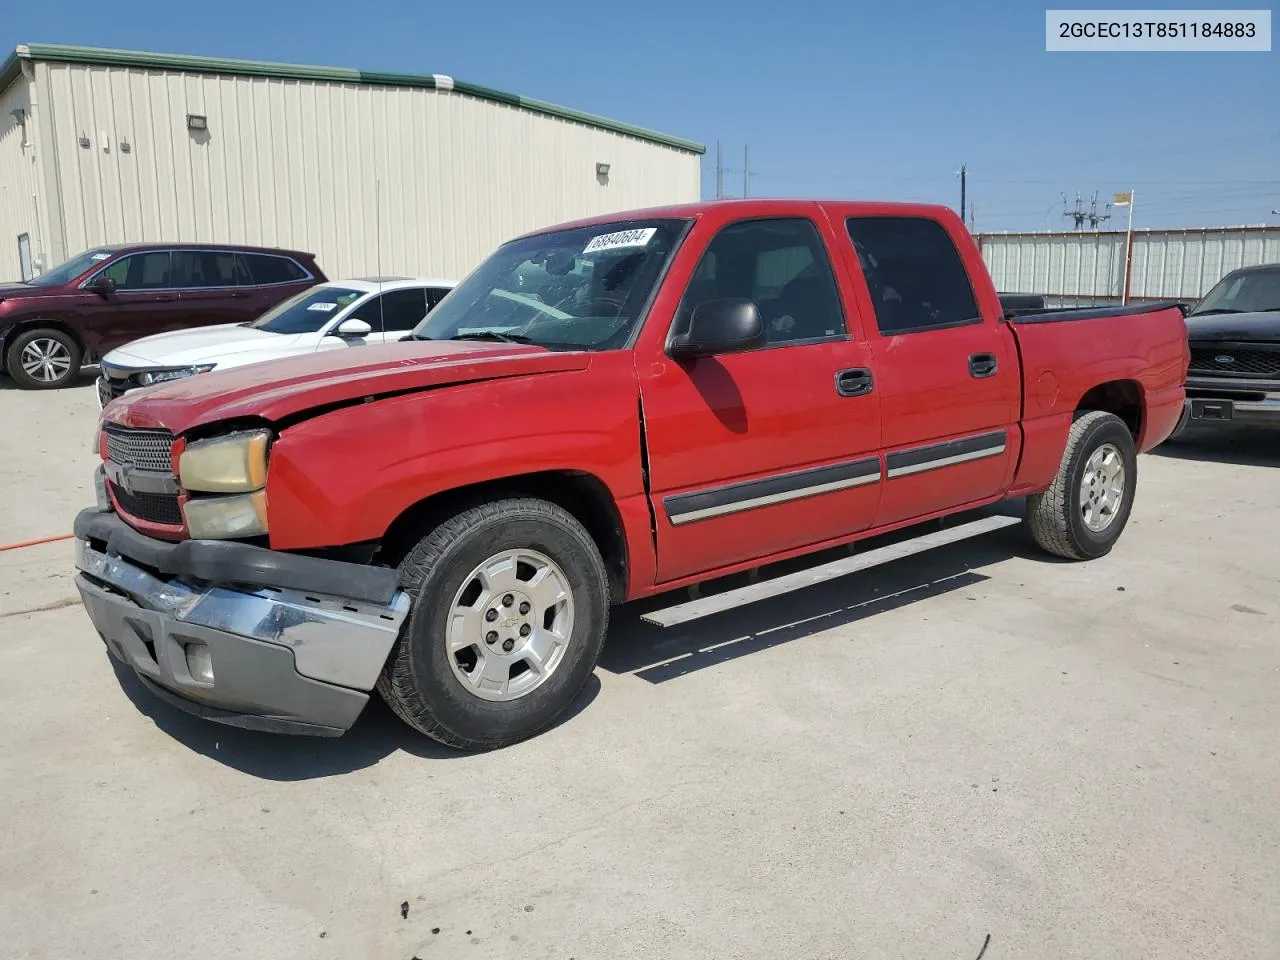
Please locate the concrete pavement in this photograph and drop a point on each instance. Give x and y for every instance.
(1076, 760)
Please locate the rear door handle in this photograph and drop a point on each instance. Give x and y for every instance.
(982, 365)
(854, 382)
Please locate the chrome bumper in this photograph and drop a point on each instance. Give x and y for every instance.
(265, 658)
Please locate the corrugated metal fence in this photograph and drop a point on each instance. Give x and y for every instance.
(1079, 268)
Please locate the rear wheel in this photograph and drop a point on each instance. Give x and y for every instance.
(1085, 509)
(510, 612)
(43, 359)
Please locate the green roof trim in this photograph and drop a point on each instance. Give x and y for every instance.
(96, 56)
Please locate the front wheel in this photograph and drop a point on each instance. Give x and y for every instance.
(510, 609)
(43, 359)
(1085, 509)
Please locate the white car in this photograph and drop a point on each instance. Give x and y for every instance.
(336, 315)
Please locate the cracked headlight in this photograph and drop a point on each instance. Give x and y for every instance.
(180, 373)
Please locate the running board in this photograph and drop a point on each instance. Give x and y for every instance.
(752, 592)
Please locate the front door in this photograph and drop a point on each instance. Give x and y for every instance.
(760, 452)
(145, 300)
(949, 381)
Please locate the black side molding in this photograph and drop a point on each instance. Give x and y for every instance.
(225, 561)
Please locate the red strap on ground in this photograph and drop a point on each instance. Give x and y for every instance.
(34, 543)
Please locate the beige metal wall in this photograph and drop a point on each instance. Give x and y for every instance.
(298, 164)
(19, 176)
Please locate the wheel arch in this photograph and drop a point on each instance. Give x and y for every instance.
(582, 494)
(1122, 398)
(37, 323)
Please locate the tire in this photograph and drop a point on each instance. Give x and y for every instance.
(1058, 518)
(60, 350)
(425, 680)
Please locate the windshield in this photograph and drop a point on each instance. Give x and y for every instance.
(583, 288)
(1249, 291)
(306, 312)
(66, 272)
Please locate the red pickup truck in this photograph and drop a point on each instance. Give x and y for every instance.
(602, 411)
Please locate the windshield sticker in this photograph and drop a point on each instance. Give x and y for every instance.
(623, 238)
(100, 256)
(323, 307)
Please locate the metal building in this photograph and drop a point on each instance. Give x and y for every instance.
(373, 172)
(1081, 268)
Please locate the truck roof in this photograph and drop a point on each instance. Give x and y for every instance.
(759, 207)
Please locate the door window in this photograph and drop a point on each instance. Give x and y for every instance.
(206, 268)
(397, 311)
(435, 295)
(914, 273)
(266, 269)
(142, 271)
(781, 266)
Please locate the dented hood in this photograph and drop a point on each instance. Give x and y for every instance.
(281, 389)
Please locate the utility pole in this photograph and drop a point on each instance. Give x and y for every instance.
(719, 172)
(963, 170)
(1126, 200)
(746, 171)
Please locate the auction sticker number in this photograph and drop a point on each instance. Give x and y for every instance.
(621, 239)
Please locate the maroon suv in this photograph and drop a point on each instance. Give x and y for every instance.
(106, 297)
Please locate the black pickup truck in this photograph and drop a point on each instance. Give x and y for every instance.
(1234, 335)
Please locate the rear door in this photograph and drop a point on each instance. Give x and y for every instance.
(948, 377)
(759, 452)
(214, 287)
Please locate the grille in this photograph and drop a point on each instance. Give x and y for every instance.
(143, 449)
(1233, 362)
(152, 507)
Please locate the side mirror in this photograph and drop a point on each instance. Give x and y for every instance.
(103, 285)
(353, 327)
(720, 326)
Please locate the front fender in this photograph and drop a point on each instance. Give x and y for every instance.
(345, 476)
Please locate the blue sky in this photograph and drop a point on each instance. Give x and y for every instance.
(878, 101)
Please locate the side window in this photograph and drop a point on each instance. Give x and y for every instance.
(402, 310)
(205, 268)
(779, 264)
(434, 296)
(119, 272)
(266, 269)
(142, 271)
(914, 272)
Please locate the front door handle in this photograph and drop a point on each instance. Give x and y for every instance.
(854, 382)
(982, 365)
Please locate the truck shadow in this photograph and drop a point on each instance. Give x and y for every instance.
(659, 654)
(654, 654)
(1224, 443)
(376, 735)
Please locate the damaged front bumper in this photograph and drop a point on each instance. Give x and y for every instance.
(239, 634)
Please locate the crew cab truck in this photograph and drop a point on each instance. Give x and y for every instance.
(601, 411)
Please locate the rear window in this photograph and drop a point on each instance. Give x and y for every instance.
(914, 273)
(266, 269)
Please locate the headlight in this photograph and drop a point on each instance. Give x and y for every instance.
(181, 373)
(235, 463)
(224, 518)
